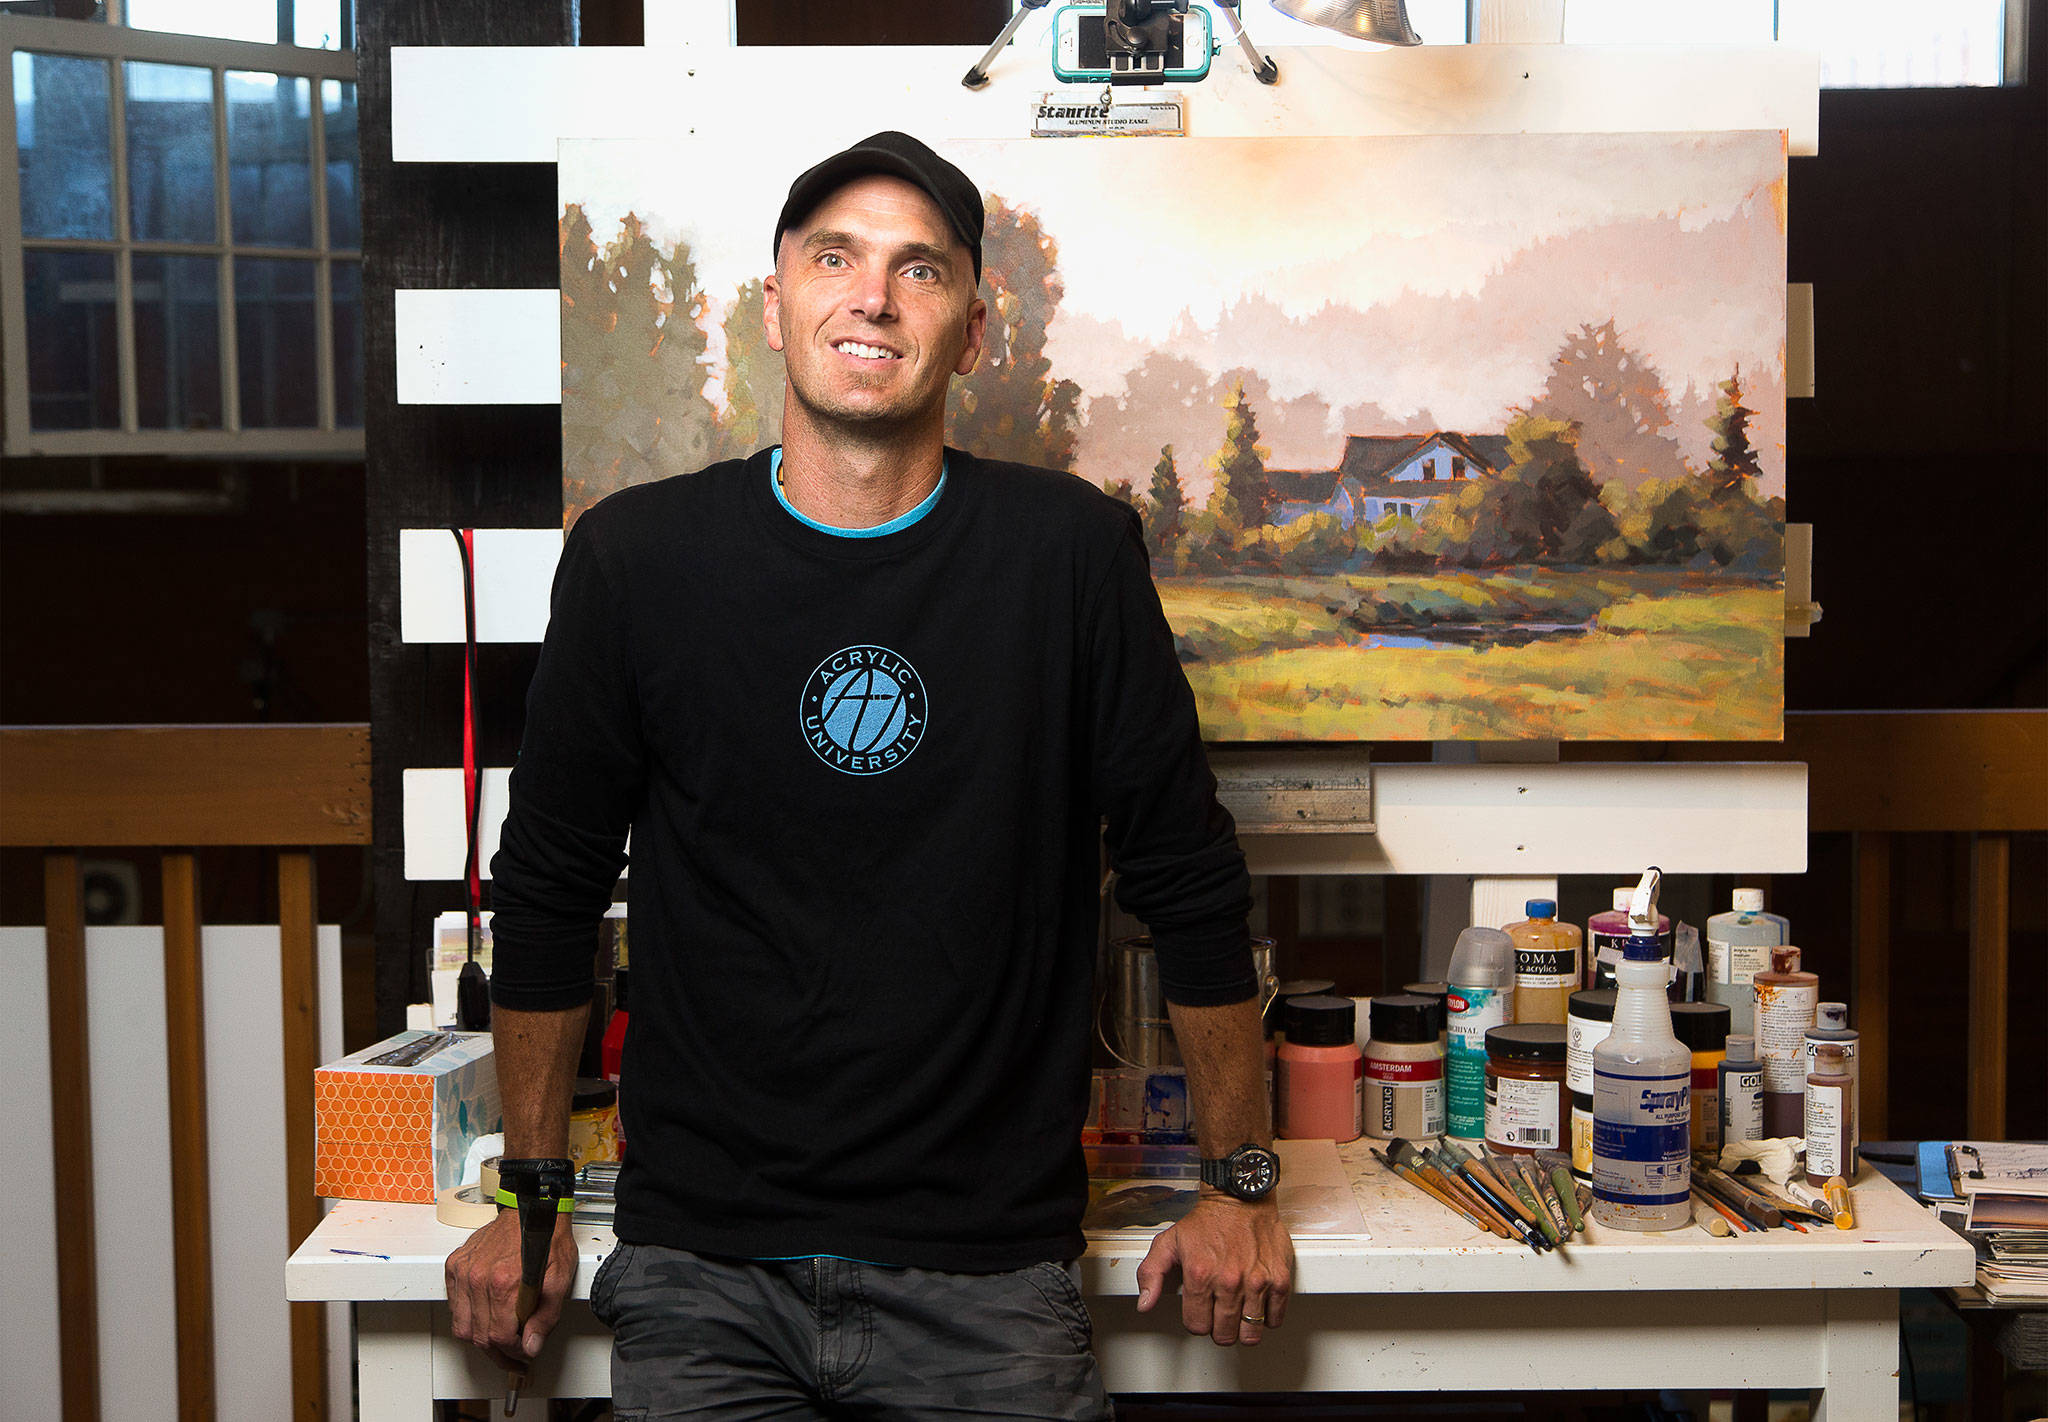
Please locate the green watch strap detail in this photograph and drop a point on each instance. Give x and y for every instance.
(510, 1201)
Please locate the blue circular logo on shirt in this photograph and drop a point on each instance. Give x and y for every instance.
(863, 710)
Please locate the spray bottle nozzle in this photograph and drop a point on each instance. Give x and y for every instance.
(1642, 903)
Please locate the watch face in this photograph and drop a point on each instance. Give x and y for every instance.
(1253, 1173)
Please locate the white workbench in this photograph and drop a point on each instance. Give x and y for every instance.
(1426, 1303)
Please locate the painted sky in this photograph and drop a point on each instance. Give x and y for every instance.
(1468, 258)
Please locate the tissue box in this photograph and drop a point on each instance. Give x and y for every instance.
(394, 1121)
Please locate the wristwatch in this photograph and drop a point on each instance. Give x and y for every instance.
(1250, 1172)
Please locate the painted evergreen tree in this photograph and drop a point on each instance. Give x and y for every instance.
(1121, 491)
(1617, 400)
(753, 378)
(589, 310)
(688, 420)
(1733, 470)
(1164, 505)
(1242, 497)
(1010, 407)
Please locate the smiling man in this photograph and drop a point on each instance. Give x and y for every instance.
(866, 705)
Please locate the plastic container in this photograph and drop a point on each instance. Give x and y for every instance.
(1739, 945)
(1435, 991)
(1741, 1079)
(1588, 1020)
(1527, 1106)
(1787, 1003)
(1404, 1068)
(1607, 932)
(1703, 1028)
(1642, 1110)
(1321, 1071)
(593, 1122)
(1481, 995)
(1831, 1024)
(1830, 1126)
(1546, 962)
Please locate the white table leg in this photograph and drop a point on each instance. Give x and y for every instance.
(1862, 1357)
(395, 1362)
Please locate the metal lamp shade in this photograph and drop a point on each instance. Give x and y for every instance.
(1380, 21)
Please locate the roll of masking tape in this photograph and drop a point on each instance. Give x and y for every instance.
(487, 1177)
(467, 1207)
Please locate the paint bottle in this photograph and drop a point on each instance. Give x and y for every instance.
(1527, 1107)
(1787, 1001)
(1404, 1068)
(1830, 1116)
(1642, 1079)
(1831, 1024)
(1605, 934)
(1275, 1023)
(1742, 1091)
(1436, 992)
(1739, 945)
(1589, 1019)
(1703, 1027)
(1546, 962)
(1481, 995)
(1321, 1071)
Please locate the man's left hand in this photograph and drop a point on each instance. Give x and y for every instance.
(1237, 1267)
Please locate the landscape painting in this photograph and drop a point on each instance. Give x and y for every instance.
(1432, 438)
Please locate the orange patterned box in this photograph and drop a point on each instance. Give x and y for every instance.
(394, 1121)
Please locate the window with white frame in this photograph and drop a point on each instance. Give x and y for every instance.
(180, 241)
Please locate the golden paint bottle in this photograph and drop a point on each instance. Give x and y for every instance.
(1786, 1003)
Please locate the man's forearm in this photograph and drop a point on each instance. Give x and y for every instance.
(536, 1056)
(1224, 1051)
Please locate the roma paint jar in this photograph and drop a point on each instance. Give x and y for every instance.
(1321, 1071)
(1702, 1027)
(1527, 1107)
(1404, 1068)
(1546, 962)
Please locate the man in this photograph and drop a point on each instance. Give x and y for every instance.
(863, 703)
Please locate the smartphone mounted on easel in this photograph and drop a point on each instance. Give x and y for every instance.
(1144, 43)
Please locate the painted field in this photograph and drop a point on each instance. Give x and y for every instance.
(1514, 654)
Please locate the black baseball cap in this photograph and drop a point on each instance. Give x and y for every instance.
(901, 156)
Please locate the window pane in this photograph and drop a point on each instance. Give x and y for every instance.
(344, 202)
(73, 375)
(270, 161)
(67, 163)
(1889, 44)
(348, 344)
(170, 152)
(1669, 21)
(177, 342)
(220, 19)
(275, 371)
(316, 24)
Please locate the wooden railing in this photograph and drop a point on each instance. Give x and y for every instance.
(63, 788)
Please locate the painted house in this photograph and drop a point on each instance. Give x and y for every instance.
(1380, 475)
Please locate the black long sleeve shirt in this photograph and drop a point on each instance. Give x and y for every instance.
(864, 780)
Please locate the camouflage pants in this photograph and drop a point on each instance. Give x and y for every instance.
(695, 1336)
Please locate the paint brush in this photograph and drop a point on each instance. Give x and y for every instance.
(1508, 1171)
(1472, 1167)
(1754, 1208)
(1428, 1189)
(1721, 1211)
(1509, 1212)
(1561, 1181)
(1406, 1154)
(1539, 1185)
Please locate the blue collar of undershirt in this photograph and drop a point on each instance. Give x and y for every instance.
(894, 525)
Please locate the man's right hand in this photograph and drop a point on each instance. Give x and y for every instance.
(483, 1290)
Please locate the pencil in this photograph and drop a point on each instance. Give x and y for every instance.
(1722, 1210)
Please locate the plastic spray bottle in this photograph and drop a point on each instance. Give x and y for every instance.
(1482, 995)
(1739, 945)
(1642, 1074)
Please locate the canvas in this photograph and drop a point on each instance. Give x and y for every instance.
(1433, 438)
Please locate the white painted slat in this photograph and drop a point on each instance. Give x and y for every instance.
(29, 1345)
(711, 23)
(1531, 821)
(479, 346)
(1537, 821)
(435, 844)
(515, 569)
(491, 105)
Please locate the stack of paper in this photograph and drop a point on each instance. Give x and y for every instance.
(2005, 1185)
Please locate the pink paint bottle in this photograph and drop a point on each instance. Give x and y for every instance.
(1322, 1072)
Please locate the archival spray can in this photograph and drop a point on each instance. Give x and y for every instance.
(1482, 995)
(1642, 1099)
